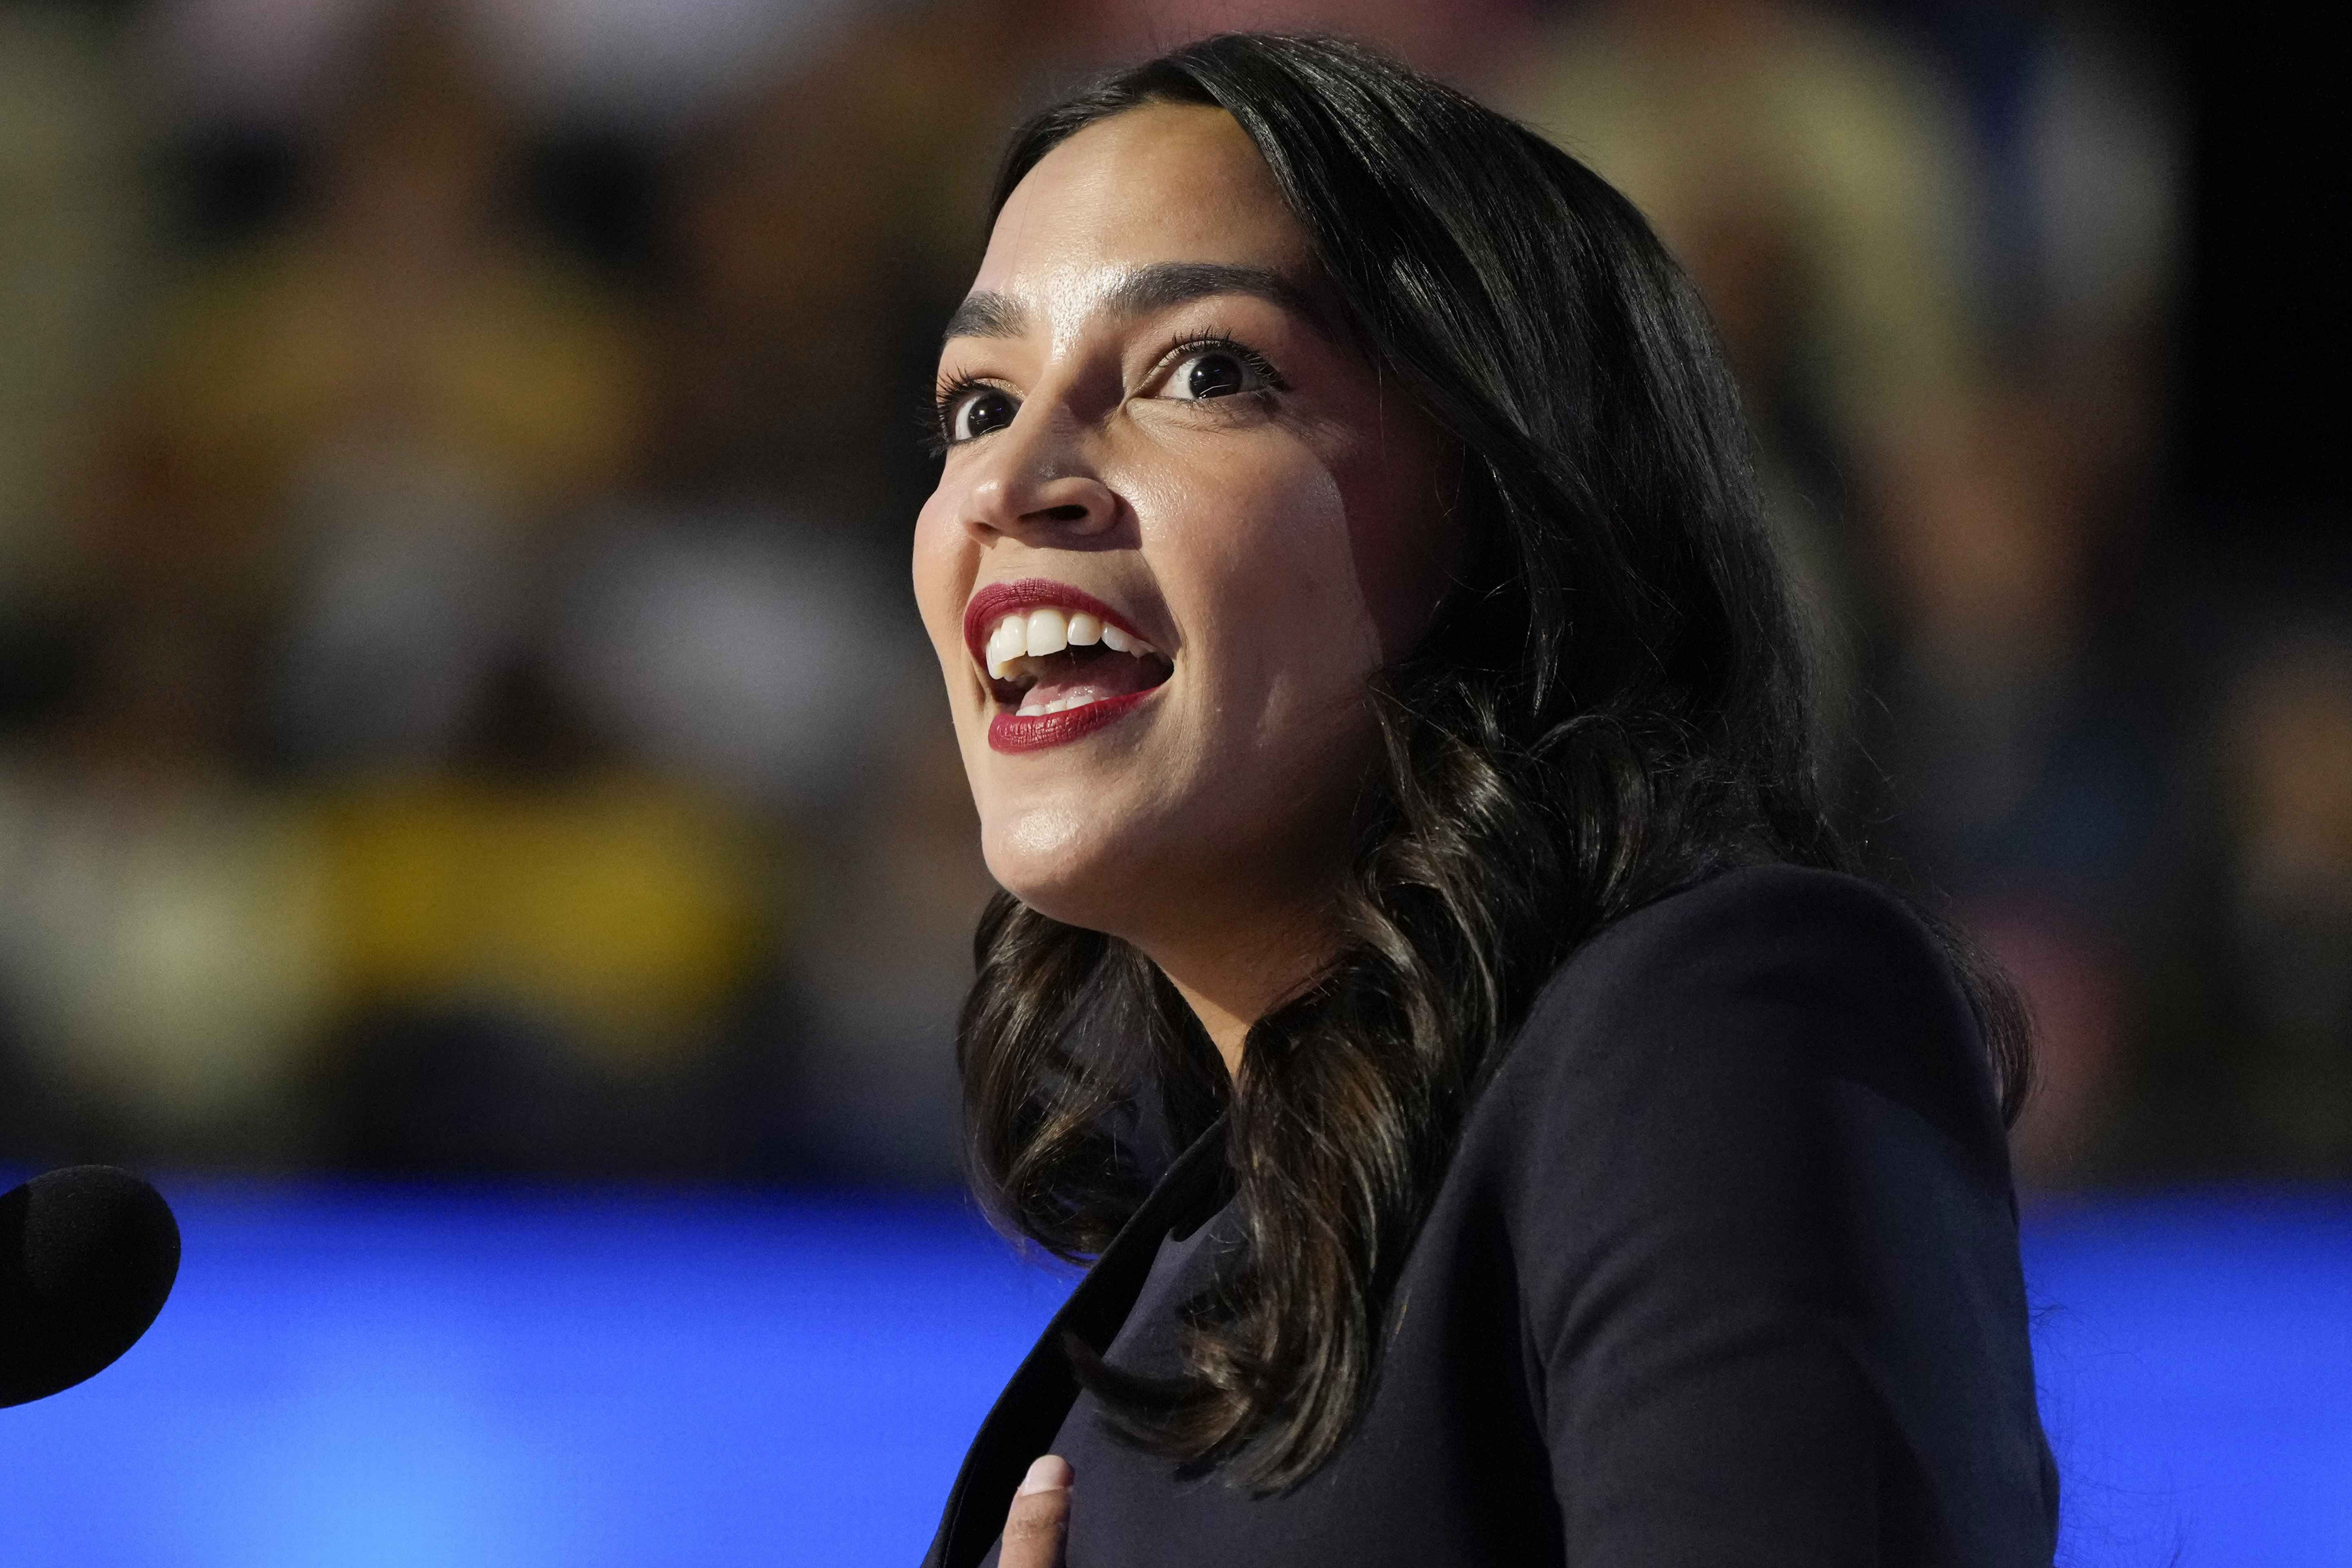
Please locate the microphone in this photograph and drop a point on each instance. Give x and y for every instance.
(87, 1256)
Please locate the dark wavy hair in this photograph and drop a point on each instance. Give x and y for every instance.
(1613, 702)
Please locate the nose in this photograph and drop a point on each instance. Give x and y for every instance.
(1036, 484)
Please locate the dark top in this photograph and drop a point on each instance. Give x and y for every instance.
(1723, 1273)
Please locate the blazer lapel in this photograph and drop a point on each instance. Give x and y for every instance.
(1033, 1407)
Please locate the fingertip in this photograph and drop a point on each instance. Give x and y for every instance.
(1047, 1473)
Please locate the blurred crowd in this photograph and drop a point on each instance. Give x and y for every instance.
(461, 713)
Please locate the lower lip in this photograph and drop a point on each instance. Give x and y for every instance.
(1034, 733)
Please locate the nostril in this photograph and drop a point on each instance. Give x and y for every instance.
(1072, 513)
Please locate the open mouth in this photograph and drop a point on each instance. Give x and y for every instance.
(1050, 660)
(1060, 663)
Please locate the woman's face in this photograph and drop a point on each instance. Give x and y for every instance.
(1179, 524)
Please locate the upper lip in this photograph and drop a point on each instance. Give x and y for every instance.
(998, 600)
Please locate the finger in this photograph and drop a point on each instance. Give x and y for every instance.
(1040, 1516)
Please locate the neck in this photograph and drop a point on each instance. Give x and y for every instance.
(1235, 974)
(1227, 1026)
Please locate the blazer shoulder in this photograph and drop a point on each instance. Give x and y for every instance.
(1755, 1201)
(1838, 941)
(1775, 971)
(1779, 912)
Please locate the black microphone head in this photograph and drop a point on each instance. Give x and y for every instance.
(87, 1256)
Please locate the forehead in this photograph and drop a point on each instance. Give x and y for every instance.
(1165, 183)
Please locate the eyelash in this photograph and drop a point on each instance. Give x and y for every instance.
(1223, 343)
(954, 389)
(944, 398)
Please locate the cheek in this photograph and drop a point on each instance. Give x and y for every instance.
(943, 571)
(1269, 595)
(1406, 551)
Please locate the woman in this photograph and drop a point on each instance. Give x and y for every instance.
(1422, 982)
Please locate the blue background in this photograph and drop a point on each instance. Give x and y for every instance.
(364, 1376)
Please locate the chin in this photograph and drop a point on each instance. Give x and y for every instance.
(1075, 864)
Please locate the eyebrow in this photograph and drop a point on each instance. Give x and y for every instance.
(1161, 286)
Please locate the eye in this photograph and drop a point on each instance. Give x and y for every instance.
(1210, 373)
(1203, 369)
(976, 411)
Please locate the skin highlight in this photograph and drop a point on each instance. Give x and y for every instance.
(1279, 545)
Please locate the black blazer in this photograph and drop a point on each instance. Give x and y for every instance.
(1723, 1273)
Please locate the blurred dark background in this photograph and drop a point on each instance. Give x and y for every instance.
(461, 713)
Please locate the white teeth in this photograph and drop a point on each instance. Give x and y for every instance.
(1008, 642)
(1118, 641)
(1049, 632)
(1059, 705)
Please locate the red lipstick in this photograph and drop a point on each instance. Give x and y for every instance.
(1034, 733)
(1017, 731)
